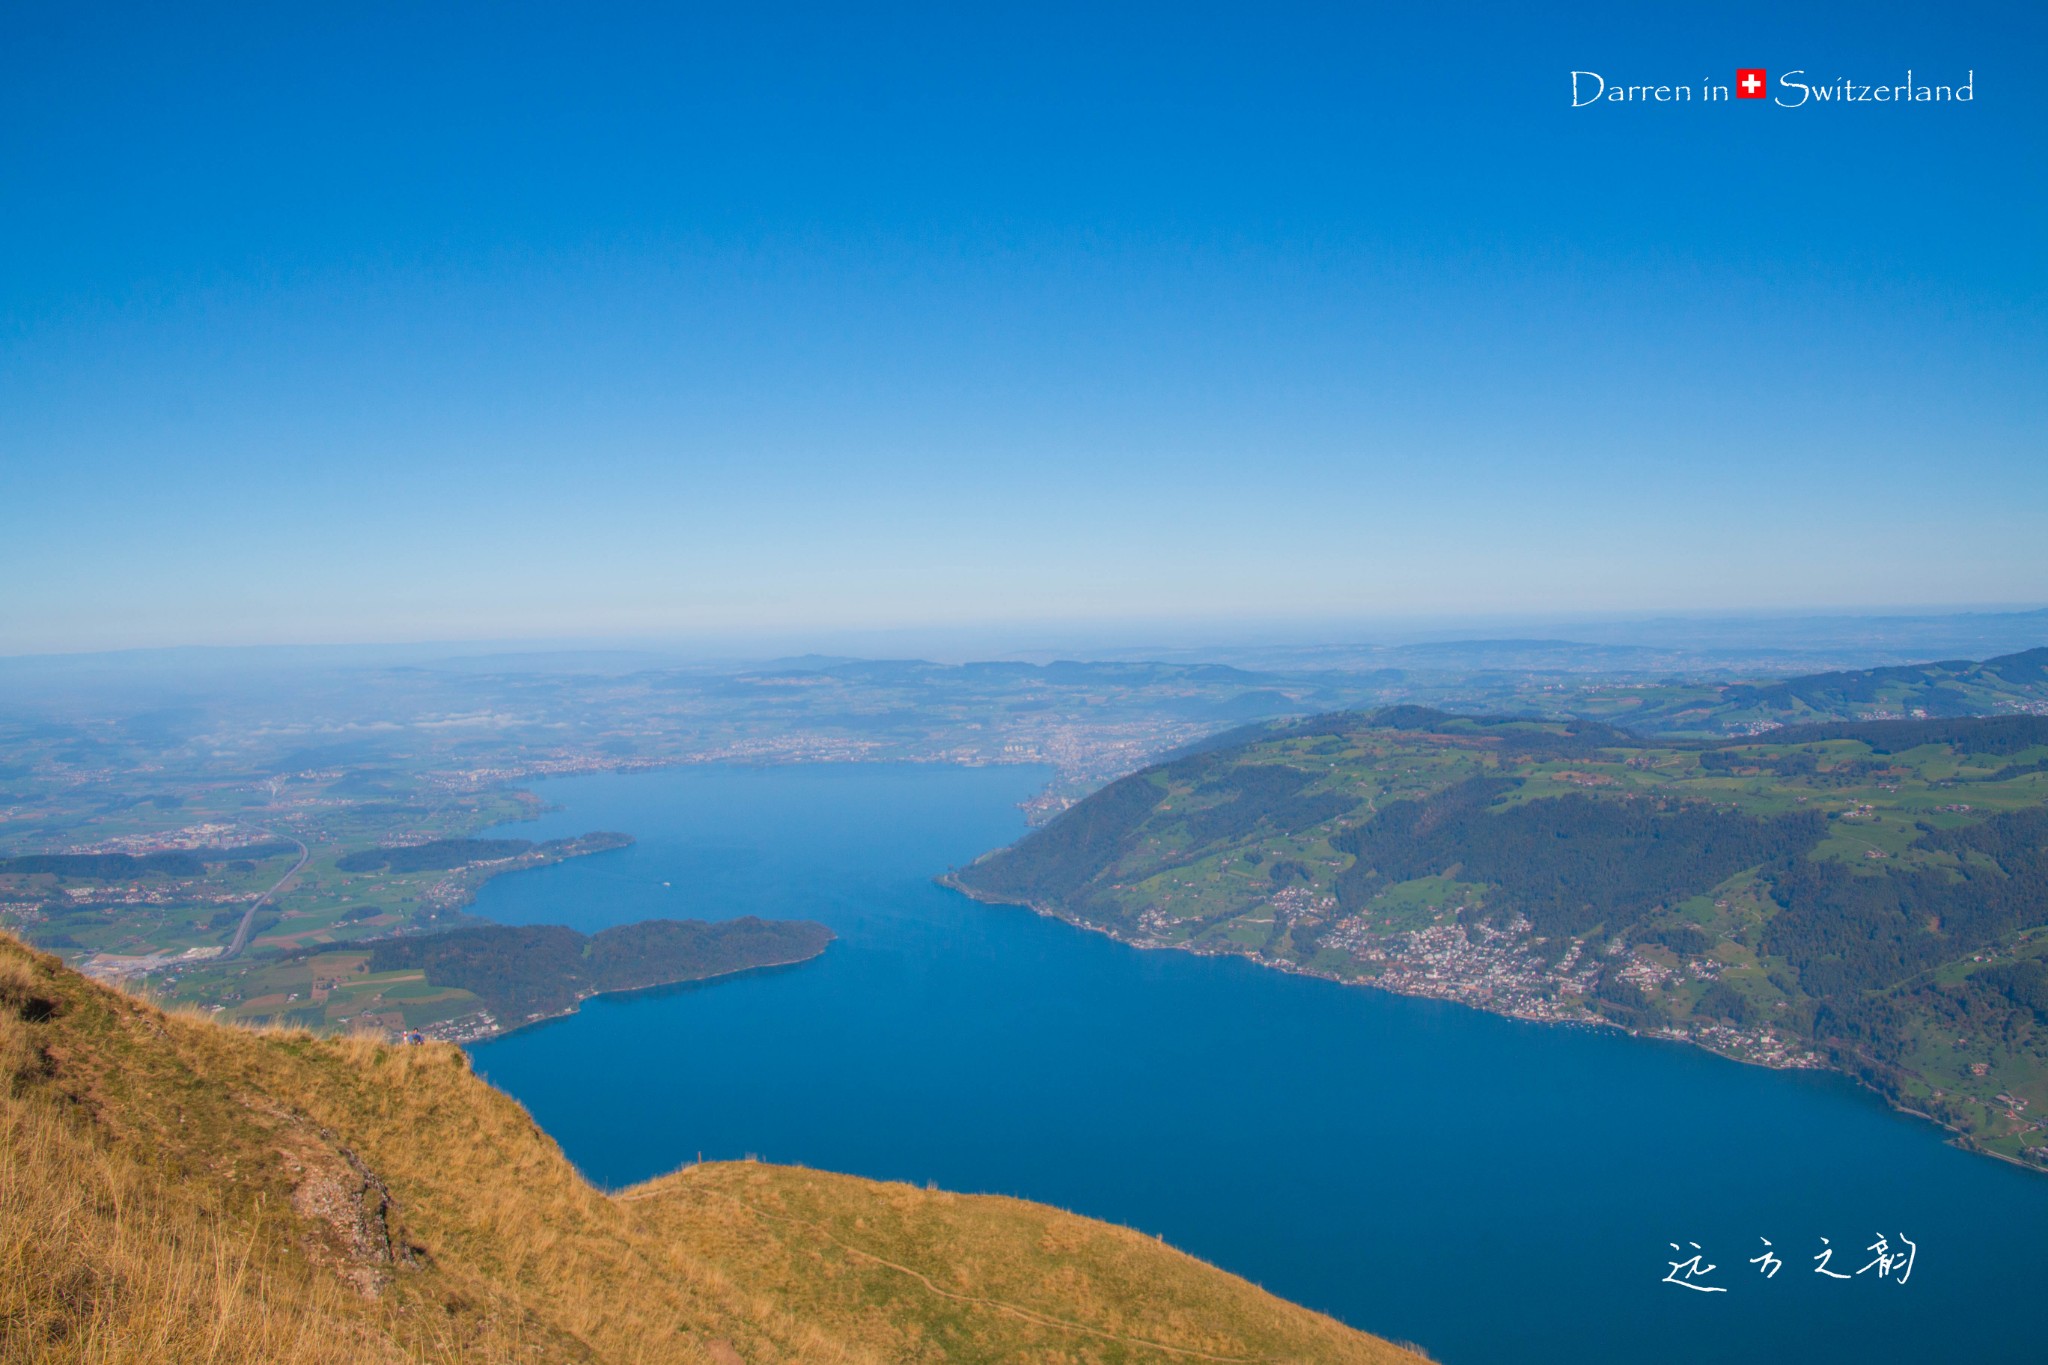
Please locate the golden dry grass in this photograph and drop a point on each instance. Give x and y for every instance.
(99, 1262)
(171, 1189)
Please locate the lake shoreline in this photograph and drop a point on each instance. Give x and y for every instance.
(1958, 1138)
(1354, 1153)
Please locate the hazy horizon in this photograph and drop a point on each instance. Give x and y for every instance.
(1876, 634)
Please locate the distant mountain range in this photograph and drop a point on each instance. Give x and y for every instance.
(2009, 684)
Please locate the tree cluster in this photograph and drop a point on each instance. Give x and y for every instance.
(1569, 863)
(523, 970)
(436, 855)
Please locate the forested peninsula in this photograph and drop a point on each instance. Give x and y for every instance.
(483, 979)
(528, 972)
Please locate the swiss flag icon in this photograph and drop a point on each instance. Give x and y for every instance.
(1751, 82)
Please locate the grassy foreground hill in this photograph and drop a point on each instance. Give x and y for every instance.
(1871, 896)
(172, 1189)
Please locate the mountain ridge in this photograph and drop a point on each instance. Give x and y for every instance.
(176, 1189)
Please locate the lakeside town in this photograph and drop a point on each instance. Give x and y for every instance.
(1502, 970)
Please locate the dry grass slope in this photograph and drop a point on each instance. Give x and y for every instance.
(171, 1189)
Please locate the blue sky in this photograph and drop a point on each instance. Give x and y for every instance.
(348, 323)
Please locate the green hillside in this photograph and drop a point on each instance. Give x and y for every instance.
(172, 1189)
(1867, 895)
(2010, 684)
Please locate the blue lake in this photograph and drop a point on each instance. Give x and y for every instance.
(1491, 1189)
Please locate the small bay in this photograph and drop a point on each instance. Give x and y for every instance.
(1491, 1189)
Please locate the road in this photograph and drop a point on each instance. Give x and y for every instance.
(241, 938)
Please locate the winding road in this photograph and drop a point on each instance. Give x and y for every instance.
(241, 938)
